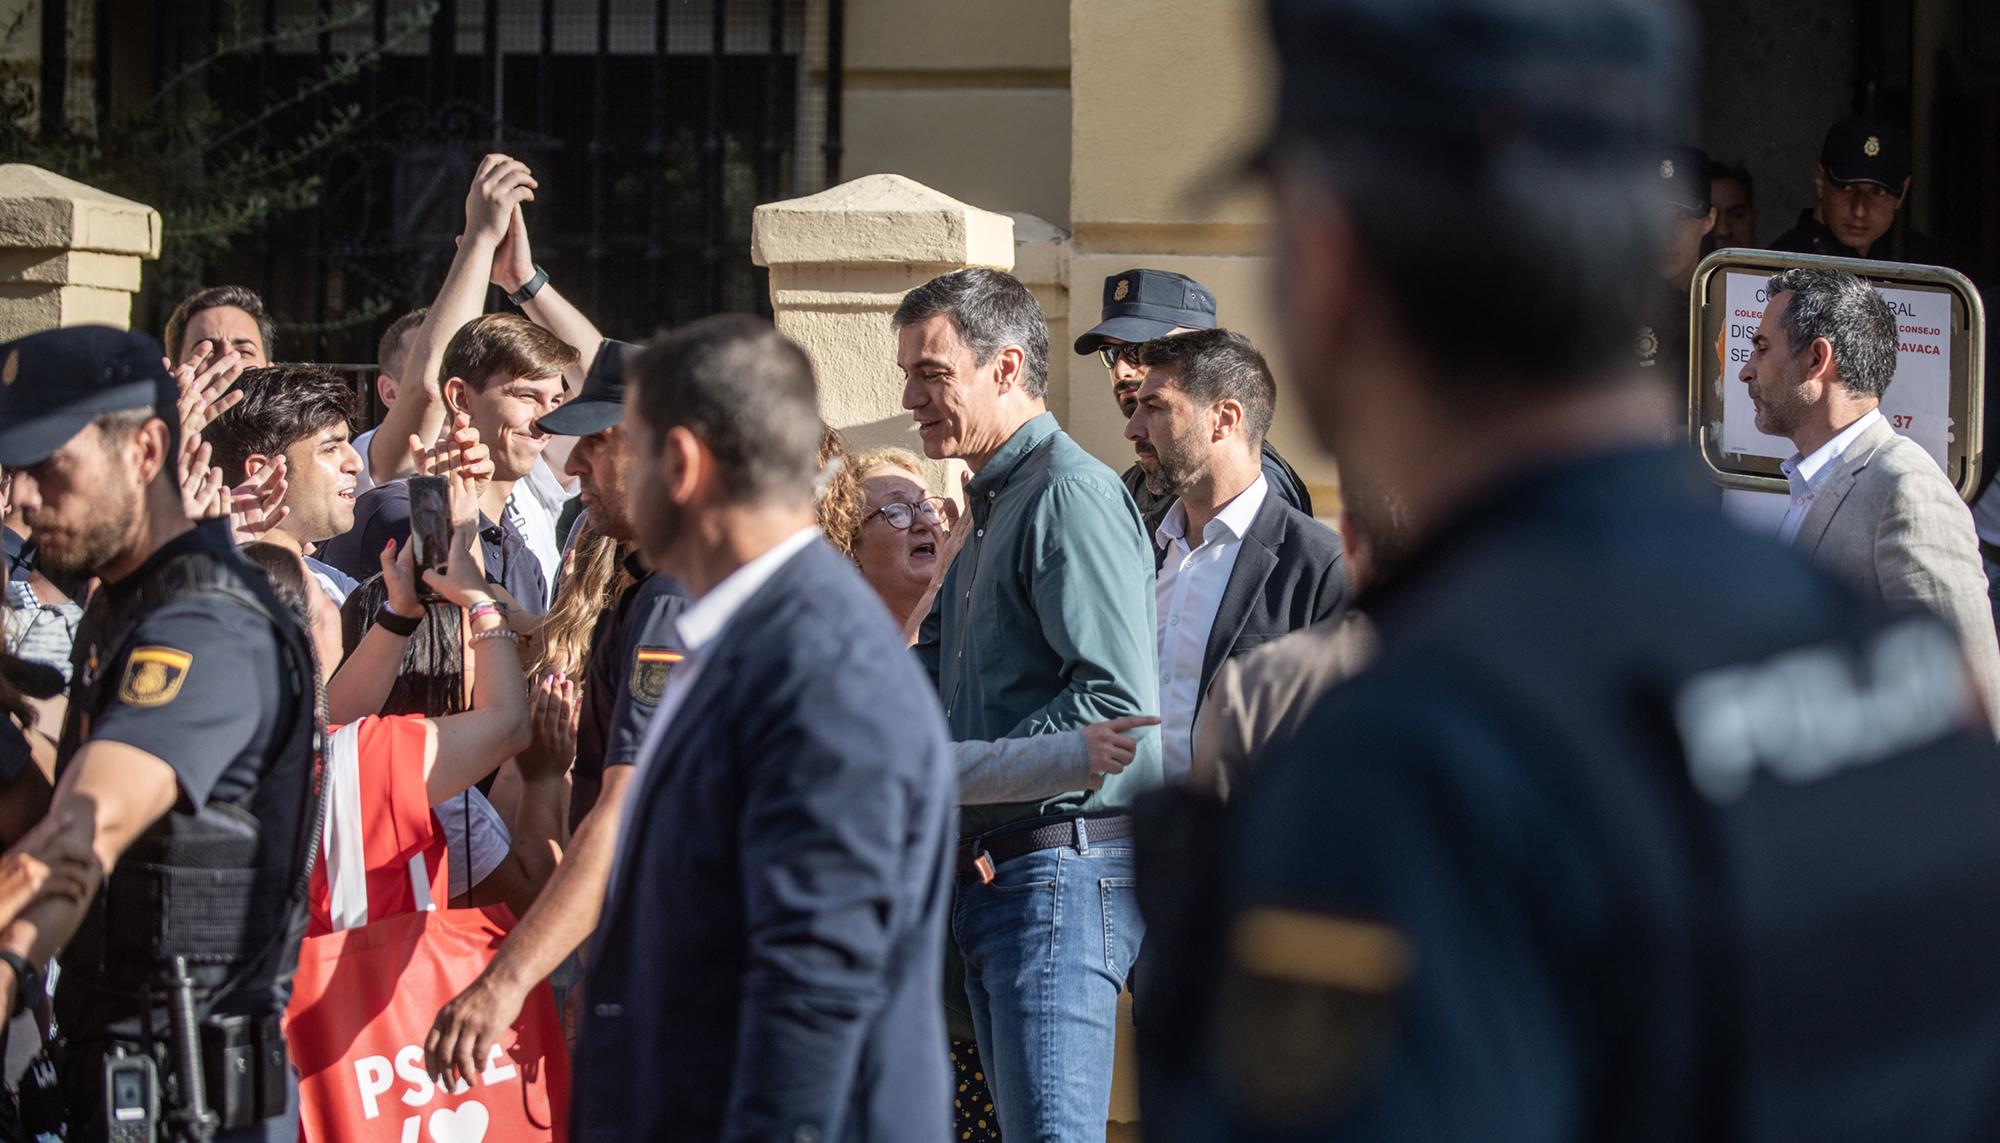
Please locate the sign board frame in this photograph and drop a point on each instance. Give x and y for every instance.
(1712, 377)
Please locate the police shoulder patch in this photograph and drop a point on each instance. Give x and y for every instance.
(650, 668)
(1306, 1008)
(153, 676)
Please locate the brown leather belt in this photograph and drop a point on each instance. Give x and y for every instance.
(979, 856)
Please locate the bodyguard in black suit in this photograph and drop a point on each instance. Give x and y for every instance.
(769, 958)
(1237, 565)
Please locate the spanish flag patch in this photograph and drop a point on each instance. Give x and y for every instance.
(153, 676)
(650, 668)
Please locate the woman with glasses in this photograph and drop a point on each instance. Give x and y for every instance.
(902, 529)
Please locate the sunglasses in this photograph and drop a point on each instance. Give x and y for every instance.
(900, 516)
(1113, 354)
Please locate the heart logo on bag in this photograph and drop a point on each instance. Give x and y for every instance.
(463, 1124)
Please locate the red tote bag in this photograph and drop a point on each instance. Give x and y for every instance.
(364, 999)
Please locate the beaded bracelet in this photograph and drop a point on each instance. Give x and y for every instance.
(496, 633)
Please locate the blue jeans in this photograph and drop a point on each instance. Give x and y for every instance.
(1047, 947)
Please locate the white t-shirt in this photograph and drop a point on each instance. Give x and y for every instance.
(537, 503)
(363, 482)
(472, 830)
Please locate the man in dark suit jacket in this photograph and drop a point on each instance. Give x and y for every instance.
(1237, 565)
(769, 958)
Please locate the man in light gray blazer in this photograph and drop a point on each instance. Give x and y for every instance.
(1868, 504)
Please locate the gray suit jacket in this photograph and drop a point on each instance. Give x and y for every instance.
(1888, 522)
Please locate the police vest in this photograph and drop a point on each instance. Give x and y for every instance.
(205, 885)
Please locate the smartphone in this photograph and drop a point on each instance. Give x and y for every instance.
(430, 522)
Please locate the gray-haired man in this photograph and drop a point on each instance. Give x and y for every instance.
(1044, 623)
(1868, 504)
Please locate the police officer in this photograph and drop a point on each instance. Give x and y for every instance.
(189, 751)
(1862, 180)
(1140, 305)
(1682, 191)
(633, 651)
(1639, 828)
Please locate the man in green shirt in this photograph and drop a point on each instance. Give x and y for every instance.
(1044, 623)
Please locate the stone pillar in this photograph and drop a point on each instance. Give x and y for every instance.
(1041, 261)
(1151, 187)
(69, 253)
(840, 261)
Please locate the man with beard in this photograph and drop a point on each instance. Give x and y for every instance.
(1141, 306)
(1238, 566)
(295, 417)
(1867, 503)
(188, 751)
(633, 651)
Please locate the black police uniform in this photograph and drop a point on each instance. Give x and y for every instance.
(1862, 149)
(192, 659)
(1599, 851)
(633, 649)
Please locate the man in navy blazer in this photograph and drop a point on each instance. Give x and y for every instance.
(769, 959)
(1238, 566)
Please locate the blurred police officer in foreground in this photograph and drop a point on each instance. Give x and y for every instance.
(189, 746)
(1639, 828)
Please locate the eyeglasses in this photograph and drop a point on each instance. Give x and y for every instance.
(1113, 354)
(901, 516)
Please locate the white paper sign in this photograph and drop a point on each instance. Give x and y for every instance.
(1917, 404)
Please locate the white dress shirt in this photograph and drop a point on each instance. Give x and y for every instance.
(1187, 594)
(1806, 474)
(700, 626)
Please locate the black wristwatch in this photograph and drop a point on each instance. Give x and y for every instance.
(403, 625)
(29, 980)
(530, 288)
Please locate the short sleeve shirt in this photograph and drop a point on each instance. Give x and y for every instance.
(178, 688)
(632, 653)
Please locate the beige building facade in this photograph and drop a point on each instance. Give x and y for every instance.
(1109, 138)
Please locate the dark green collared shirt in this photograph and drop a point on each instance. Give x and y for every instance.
(1045, 620)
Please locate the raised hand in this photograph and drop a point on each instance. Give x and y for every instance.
(553, 746)
(458, 452)
(257, 505)
(500, 185)
(514, 262)
(399, 580)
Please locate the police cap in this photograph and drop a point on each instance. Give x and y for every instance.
(1465, 81)
(1683, 180)
(54, 383)
(1867, 149)
(1140, 305)
(601, 401)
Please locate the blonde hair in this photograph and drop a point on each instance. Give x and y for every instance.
(900, 459)
(840, 505)
(593, 574)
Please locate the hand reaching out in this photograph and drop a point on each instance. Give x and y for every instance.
(399, 580)
(514, 262)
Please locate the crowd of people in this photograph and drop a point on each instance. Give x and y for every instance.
(799, 797)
